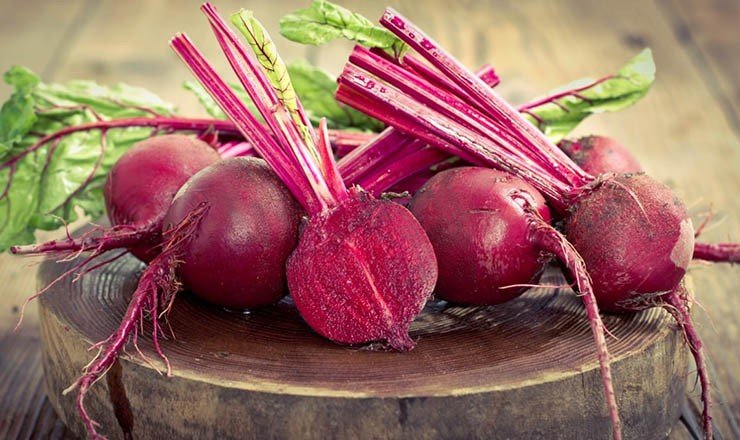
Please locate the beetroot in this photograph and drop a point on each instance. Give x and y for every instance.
(481, 237)
(606, 225)
(227, 247)
(490, 231)
(475, 123)
(600, 154)
(363, 268)
(237, 257)
(362, 272)
(141, 185)
(138, 191)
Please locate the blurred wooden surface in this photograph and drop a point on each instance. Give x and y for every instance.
(686, 131)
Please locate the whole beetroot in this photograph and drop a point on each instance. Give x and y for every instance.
(636, 238)
(236, 259)
(483, 241)
(600, 155)
(363, 267)
(143, 182)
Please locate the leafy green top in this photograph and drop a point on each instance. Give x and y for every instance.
(43, 189)
(563, 109)
(324, 21)
(556, 115)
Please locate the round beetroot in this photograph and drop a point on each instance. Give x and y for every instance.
(142, 183)
(237, 255)
(600, 154)
(636, 238)
(480, 234)
(362, 271)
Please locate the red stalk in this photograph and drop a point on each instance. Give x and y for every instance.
(260, 90)
(116, 237)
(365, 93)
(158, 123)
(428, 93)
(382, 178)
(532, 139)
(717, 252)
(377, 159)
(250, 128)
(364, 158)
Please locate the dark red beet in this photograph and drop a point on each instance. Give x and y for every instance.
(634, 251)
(138, 192)
(480, 234)
(490, 230)
(142, 183)
(237, 257)
(600, 154)
(362, 271)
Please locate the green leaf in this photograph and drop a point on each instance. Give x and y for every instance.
(17, 113)
(50, 187)
(324, 21)
(316, 88)
(275, 69)
(559, 113)
(21, 78)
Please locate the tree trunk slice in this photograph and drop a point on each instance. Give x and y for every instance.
(526, 369)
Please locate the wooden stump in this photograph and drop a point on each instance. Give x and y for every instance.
(526, 369)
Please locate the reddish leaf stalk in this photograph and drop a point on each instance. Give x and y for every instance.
(250, 128)
(379, 157)
(113, 238)
(362, 91)
(159, 123)
(717, 252)
(532, 139)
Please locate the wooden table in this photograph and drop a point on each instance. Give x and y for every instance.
(686, 131)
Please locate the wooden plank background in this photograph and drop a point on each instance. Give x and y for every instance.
(686, 131)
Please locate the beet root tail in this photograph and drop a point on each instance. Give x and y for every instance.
(718, 252)
(553, 242)
(676, 304)
(401, 341)
(152, 298)
(97, 240)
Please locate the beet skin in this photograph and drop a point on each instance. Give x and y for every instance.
(237, 257)
(362, 272)
(480, 234)
(142, 183)
(634, 252)
(600, 154)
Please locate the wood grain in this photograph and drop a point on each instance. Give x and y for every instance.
(475, 373)
(681, 132)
